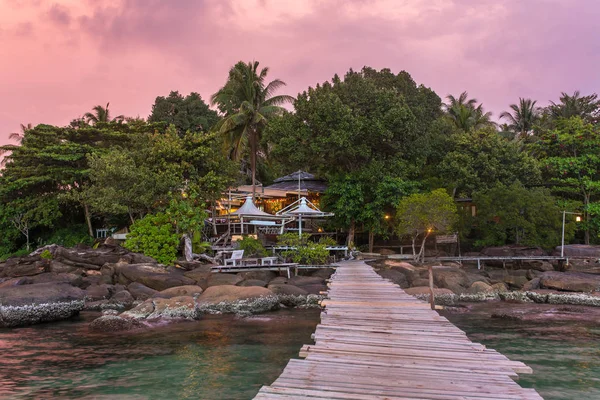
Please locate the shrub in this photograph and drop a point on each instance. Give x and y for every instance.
(69, 237)
(327, 241)
(306, 251)
(252, 247)
(155, 237)
(18, 253)
(46, 255)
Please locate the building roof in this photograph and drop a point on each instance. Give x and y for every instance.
(248, 209)
(307, 182)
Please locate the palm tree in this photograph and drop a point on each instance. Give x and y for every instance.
(101, 114)
(464, 113)
(586, 107)
(18, 136)
(523, 117)
(248, 103)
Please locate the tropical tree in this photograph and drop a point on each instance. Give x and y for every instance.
(186, 113)
(101, 114)
(523, 117)
(248, 103)
(586, 107)
(465, 114)
(18, 136)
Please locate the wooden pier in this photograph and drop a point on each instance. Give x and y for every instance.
(376, 342)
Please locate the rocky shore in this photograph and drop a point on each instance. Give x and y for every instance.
(525, 281)
(134, 291)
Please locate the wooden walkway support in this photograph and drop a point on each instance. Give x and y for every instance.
(376, 342)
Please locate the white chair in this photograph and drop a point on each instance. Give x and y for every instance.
(236, 258)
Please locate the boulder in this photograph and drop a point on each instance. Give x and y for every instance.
(532, 273)
(25, 266)
(219, 279)
(480, 287)
(579, 250)
(395, 276)
(570, 281)
(98, 292)
(230, 293)
(151, 275)
(122, 300)
(187, 290)
(500, 287)
(113, 323)
(8, 282)
(265, 276)
(178, 307)
(141, 311)
(421, 282)
(515, 281)
(513, 251)
(199, 275)
(48, 277)
(532, 284)
(538, 265)
(57, 267)
(140, 291)
(280, 280)
(451, 278)
(420, 290)
(287, 290)
(477, 277)
(42, 302)
(252, 282)
(324, 273)
(311, 284)
(192, 265)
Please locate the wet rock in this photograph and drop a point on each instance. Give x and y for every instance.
(500, 287)
(30, 304)
(532, 284)
(287, 290)
(140, 291)
(480, 287)
(179, 307)
(515, 297)
(394, 276)
(515, 281)
(141, 311)
(188, 290)
(113, 323)
(421, 282)
(570, 281)
(424, 290)
(252, 282)
(265, 276)
(200, 275)
(219, 279)
(410, 272)
(122, 300)
(152, 276)
(237, 299)
(451, 278)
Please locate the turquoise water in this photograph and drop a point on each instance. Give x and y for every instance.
(224, 357)
(220, 357)
(564, 354)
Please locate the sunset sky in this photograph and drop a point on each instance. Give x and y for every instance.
(58, 59)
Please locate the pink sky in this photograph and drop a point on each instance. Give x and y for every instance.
(60, 58)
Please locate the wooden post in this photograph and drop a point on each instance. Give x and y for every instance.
(432, 294)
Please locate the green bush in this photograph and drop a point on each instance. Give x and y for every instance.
(306, 251)
(252, 247)
(327, 241)
(18, 253)
(198, 245)
(46, 255)
(292, 239)
(155, 237)
(69, 237)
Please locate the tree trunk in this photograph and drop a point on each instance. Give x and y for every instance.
(253, 163)
(414, 239)
(187, 248)
(422, 250)
(214, 218)
(371, 240)
(27, 238)
(88, 219)
(350, 238)
(130, 216)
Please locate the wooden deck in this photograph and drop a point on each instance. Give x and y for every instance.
(375, 342)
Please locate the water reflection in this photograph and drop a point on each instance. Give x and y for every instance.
(220, 357)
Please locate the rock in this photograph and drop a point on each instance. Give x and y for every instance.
(178, 307)
(113, 323)
(570, 281)
(8, 282)
(287, 290)
(477, 277)
(500, 287)
(98, 292)
(141, 311)
(480, 287)
(513, 251)
(230, 293)
(424, 290)
(98, 305)
(200, 275)
(394, 276)
(192, 265)
(25, 266)
(324, 273)
(312, 284)
(451, 278)
(108, 274)
(265, 276)
(219, 279)
(538, 265)
(386, 252)
(252, 282)
(532, 284)
(57, 267)
(579, 250)
(152, 276)
(122, 300)
(140, 291)
(532, 273)
(48, 277)
(188, 290)
(515, 282)
(42, 302)
(421, 282)
(280, 280)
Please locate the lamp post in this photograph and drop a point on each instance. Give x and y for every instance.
(562, 246)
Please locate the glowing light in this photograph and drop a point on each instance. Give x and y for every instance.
(578, 218)
(387, 217)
